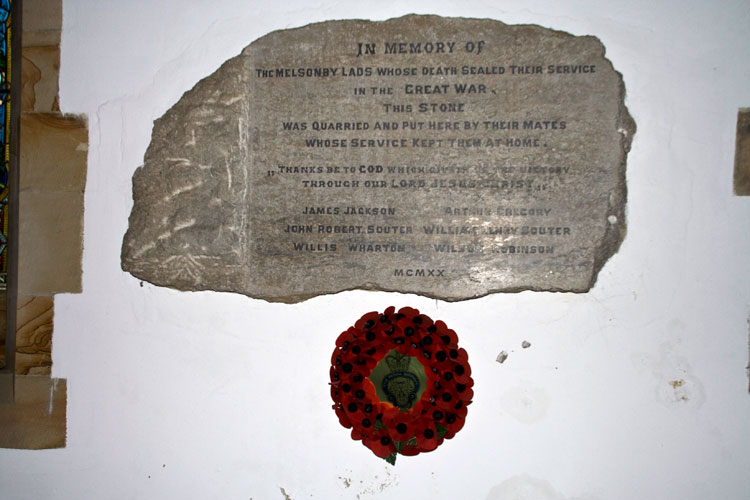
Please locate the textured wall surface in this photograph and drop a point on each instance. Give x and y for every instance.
(637, 389)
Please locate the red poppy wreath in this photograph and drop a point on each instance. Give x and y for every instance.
(400, 382)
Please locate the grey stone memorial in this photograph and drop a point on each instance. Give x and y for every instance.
(446, 157)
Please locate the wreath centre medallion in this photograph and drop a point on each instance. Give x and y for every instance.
(400, 382)
(404, 381)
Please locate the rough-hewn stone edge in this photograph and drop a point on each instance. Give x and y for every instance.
(615, 233)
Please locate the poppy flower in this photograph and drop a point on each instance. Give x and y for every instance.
(452, 423)
(441, 359)
(380, 443)
(367, 321)
(400, 382)
(429, 340)
(399, 425)
(464, 391)
(407, 313)
(427, 437)
(446, 398)
(424, 322)
(336, 360)
(423, 406)
(460, 409)
(358, 364)
(343, 418)
(462, 372)
(369, 338)
(335, 376)
(447, 336)
(345, 337)
(410, 348)
(409, 450)
(334, 392)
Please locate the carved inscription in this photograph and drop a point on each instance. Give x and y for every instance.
(446, 157)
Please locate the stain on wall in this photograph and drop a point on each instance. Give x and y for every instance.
(674, 380)
(524, 487)
(526, 403)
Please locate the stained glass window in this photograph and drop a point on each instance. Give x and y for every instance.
(5, 68)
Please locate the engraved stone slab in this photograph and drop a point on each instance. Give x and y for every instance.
(446, 157)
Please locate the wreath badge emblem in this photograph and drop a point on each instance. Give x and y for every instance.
(400, 385)
(400, 382)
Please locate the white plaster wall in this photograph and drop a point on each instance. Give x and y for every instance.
(217, 396)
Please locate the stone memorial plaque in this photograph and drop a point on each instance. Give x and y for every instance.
(446, 157)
